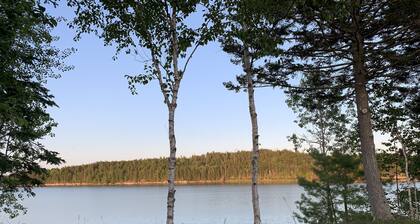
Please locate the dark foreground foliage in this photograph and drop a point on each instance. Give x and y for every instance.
(27, 59)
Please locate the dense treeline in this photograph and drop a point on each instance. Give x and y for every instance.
(230, 167)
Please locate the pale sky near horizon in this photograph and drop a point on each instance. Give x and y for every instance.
(99, 119)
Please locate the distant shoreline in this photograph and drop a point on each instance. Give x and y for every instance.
(163, 183)
(186, 183)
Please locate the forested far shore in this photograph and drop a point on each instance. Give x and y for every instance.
(276, 166)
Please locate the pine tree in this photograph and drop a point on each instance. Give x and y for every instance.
(360, 46)
(332, 197)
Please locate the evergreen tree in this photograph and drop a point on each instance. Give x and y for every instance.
(360, 46)
(332, 197)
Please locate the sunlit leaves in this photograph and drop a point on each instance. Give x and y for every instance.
(155, 31)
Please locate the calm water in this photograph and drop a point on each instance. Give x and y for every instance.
(210, 204)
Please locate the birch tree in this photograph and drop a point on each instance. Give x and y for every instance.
(253, 30)
(159, 27)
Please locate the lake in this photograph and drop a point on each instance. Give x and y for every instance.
(202, 204)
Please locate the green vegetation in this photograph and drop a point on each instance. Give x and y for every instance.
(234, 167)
(27, 60)
(355, 64)
(333, 197)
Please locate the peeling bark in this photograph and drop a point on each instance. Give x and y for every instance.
(172, 104)
(171, 167)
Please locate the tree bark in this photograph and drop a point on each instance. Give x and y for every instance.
(171, 166)
(255, 143)
(172, 104)
(416, 201)
(407, 176)
(398, 187)
(380, 208)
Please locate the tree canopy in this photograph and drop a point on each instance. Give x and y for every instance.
(27, 59)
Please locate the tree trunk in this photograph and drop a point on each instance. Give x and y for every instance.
(345, 201)
(255, 143)
(376, 194)
(379, 206)
(172, 104)
(398, 187)
(323, 145)
(171, 166)
(407, 176)
(330, 205)
(416, 201)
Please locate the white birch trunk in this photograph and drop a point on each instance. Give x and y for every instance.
(171, 167)
(255, 143)
(407, 175)
(172, 104)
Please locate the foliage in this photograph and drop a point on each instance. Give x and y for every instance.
(27, 58)
(275, 166)
(159, 27)
(252, 31)
(393, 166)
(333, 197)
(361, 49)
(404, 206)
(399, 118)
(258, 27)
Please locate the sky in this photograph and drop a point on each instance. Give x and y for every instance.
(100, 120)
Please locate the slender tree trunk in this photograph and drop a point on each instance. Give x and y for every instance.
(255, 143)
(414, 212)
(345, 201)
(330, 205)
(416, 200)
(376, 194)
(323, 145)
(172, 104)
(171, 166)
(408, 179)
(398, 187)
